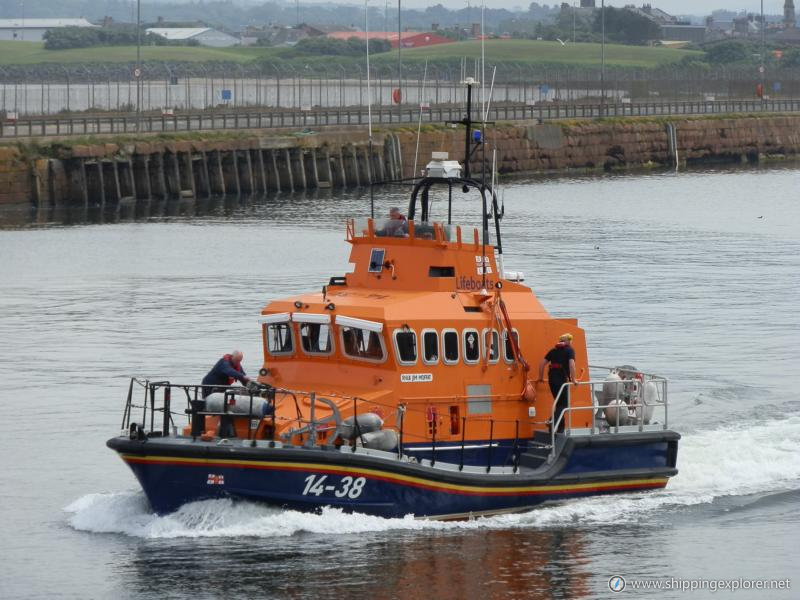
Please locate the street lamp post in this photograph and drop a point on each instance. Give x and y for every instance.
(399, 65)
(138, 72)
(763, 68)
(603, 58)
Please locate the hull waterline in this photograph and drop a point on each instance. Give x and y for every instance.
(176, 471)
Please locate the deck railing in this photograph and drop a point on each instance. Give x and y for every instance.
(193, 394)
(157, 399)
(630, 392)
(157, 402)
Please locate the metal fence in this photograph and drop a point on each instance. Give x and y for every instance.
(320, 117)
(48, 90)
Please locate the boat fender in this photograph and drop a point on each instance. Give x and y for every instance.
(649, 399)
(367, 423)
(238, 405)
(385, 439)
(612, 389)
(616, 413)
(529, 393)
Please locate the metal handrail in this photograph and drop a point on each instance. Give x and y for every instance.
(638, 372)
(271, 117)
(311, 425)
(645, 377)
(191, 392)
(556, 422)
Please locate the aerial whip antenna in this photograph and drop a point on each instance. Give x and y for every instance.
(369, 115)
(419, 122)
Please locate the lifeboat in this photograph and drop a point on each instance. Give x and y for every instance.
(409, 385)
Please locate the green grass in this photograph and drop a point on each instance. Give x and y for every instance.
(541, 52)
(516, 51)
(30, 53)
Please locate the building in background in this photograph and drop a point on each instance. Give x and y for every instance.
(205, 36)
(789, 16)
(33, 30)
(410, 39)
(272, 35)
(656, 15)
(681, 32)
(285, 35)
(672, 28)
(790, 33)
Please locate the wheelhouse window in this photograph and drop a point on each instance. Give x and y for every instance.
(362, 344)
(315, 338)
(279, 338)
(430, 347)
(491, 345)
(508, 349)
(405, 345)
(450, 344)
(472, 350)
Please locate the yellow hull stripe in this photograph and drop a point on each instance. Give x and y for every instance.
(395, 477)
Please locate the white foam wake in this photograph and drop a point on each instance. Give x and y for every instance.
(723, 462)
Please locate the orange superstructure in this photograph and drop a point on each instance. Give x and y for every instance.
(432, 339)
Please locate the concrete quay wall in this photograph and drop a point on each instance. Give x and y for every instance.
(107, 170)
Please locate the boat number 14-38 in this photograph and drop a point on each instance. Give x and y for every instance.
(348, 486)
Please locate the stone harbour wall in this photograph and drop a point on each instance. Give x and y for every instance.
(107, 170)
(618, 144)
(16, 176)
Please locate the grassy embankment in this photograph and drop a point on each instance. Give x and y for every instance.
(530, 52)
(33, 53)
(540, 52)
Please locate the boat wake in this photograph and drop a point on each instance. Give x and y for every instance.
(730, 461)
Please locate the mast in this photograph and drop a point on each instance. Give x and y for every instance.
(468, 126)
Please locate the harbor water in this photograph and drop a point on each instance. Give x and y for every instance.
(695, 276)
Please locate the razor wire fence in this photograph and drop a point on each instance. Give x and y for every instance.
(166, 87)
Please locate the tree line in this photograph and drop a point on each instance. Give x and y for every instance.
(64, 38)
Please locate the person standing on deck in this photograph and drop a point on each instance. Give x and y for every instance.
(227, 370)
(561, 359)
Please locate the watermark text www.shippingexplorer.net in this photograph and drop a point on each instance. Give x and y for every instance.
(617, 583)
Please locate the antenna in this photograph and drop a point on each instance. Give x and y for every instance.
(399, 65)
(369, 114)
(491, 93)
(419, 123)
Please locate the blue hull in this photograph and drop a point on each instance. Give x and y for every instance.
(175, 471)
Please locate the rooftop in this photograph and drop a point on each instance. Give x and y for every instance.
(374, 35)
(177, 33)
(43, 23)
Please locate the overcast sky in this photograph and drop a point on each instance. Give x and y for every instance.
(695, 7)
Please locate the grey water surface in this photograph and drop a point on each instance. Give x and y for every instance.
(694, 275)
